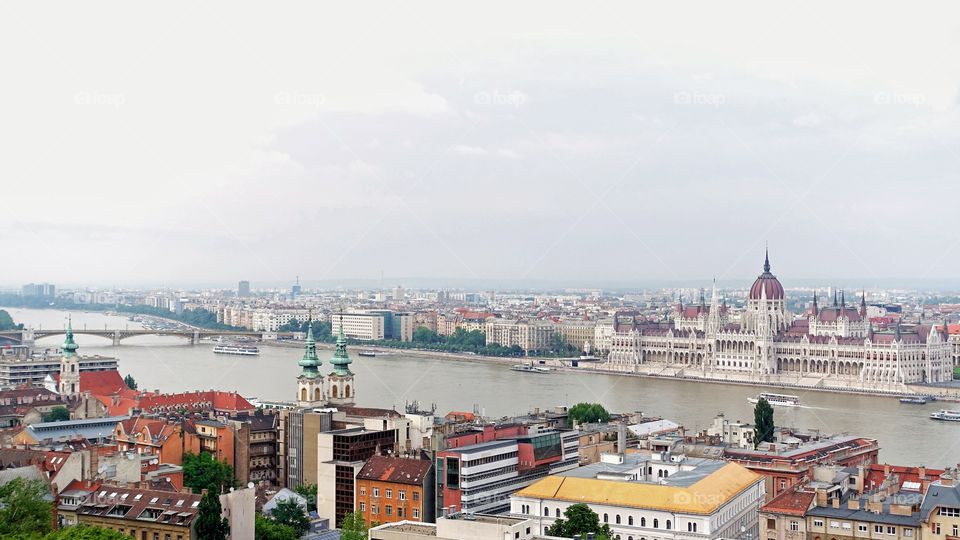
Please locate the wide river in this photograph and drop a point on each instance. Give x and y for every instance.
(907, 436)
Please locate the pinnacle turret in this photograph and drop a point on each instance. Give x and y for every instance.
(341, 361)
(310, 362)
(69, 346)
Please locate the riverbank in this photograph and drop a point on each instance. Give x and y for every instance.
(947, 394)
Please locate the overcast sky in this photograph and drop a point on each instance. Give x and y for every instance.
(507, 141)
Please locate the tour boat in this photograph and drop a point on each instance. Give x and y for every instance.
(945, 415)
(916, 400)
(367, 353)
(241, 350)
(777, 400)
(530, 368)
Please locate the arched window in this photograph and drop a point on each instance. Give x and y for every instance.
(546, 511)
(334, 392)
(606, 519)
(617, 519)
(643, 523)
(303, 394)
(630, 522)
(669, 525)
(316, 394)
(557, 511)
(346, 392)
(656, 523)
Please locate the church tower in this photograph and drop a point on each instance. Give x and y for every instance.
(342, 388)
(69, 365)
(310, 382)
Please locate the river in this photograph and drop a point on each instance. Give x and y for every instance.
(907, 436)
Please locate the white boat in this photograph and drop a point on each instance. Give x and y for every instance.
(241, 350)
(777, 400)
(530, 368)
(945, 415)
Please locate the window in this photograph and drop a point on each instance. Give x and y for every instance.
(557, 511)
(376, 492)
(363, 506)
(878, 529)
(416, 496)
(606, 519)
(818, 523)
(909, 532)
(399, 511)
(616, 519)
(643, 522)
(845, 525)
(656, 523)
(546, 511)
(794, 525)
(402, 495)
(629, 520)
(416, 513)
(363, 490)
(669, 524)
(389, 493)
(936, 528)
(891, 530)
(949, 512)
(862, 527)
(834, 524)
(389, 510)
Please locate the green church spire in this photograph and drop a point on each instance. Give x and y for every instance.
(310, 363)
(69, 346)
(341, 361)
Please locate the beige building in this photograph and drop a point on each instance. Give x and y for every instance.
(460, 527)
(578, 333)
(528, 335)
(363, 326)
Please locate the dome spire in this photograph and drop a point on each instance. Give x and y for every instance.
(310, 363)
(766, 260)
(69, 346)
(341, 361)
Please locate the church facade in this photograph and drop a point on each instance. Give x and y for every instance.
(833, 346)
(340, 388)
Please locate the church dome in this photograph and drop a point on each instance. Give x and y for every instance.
(766, 283)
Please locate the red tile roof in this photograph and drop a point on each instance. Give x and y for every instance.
(229, 402)
(395, 469)
(792, 502)
(877, 473)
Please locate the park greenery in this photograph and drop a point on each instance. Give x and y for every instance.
(27, 514)
(762, 423)
(57, 414)
(209, 524)
(6, 321)
(130, 382)
(199, 317)
(268, 529)
(579, 519)
(201, 471)
(587, 413)
(353, 527)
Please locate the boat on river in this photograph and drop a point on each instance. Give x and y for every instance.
(946, 415)
(530, 368)
(239, 350)
(777, 400)
(916, 400)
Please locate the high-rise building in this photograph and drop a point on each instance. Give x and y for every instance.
(295, 289)
(243, 289)
(39, 289)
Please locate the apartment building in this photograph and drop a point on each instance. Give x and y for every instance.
(480, 478)
(341, 454)
(391, 488)
(578, 333)
(141, 513)
(528, 335)
(362, 326)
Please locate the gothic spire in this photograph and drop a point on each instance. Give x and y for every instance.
(766, 260)
(69, 346)
(815, 308)
(897, 336)
(341, 361)
(843, 300)
(863, 303)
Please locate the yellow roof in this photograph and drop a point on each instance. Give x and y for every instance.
(703, 497)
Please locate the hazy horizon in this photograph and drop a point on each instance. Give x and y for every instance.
(533, 143)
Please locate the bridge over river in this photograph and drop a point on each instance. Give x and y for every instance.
(28, 335)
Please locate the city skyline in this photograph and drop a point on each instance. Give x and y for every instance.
(594, 149)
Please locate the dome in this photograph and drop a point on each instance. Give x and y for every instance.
(766, 283)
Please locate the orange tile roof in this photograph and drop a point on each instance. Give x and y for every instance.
(793, 502)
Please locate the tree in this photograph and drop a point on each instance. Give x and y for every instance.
(762, 423)
(586, 413)
(6, 321)
(580, 519)
(308, 492)
(268, 529)
(23, 510)
(353, 527)
(86, 532)
(291, 513)
(201, 471)
(426, 335)
(130, 382)
(57, 414)
(209, 525)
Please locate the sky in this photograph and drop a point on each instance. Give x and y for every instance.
(552, 142)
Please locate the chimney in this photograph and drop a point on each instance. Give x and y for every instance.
(853, 504)
(923, 473)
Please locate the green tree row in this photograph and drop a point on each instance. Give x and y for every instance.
(6, 321)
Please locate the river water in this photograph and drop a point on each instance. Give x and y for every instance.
(907, 436)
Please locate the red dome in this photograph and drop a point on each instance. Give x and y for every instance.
(766, 282)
